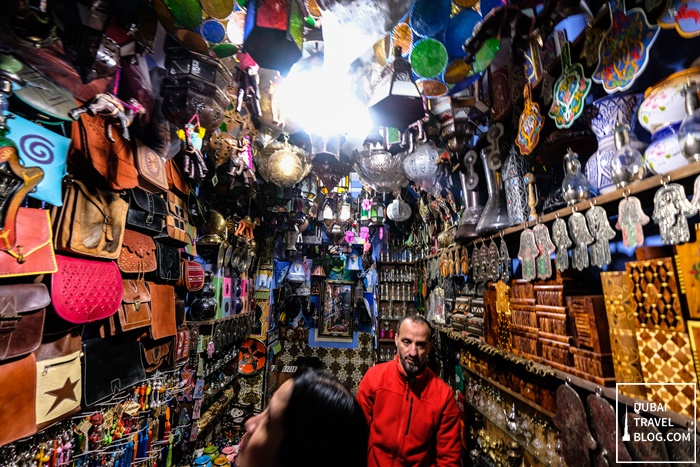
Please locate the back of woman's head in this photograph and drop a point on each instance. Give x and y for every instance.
(323, 424)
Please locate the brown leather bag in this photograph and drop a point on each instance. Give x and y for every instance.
(138, 253)
(135, 311)
(22, 312)
(17, 399)
(177, 222)
(151, 169)
(162, 311)
(91, 222)
(192, 277)
(155, 352)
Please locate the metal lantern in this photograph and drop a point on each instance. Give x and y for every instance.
(274, 33)
(377, 212)
(286, 166)
(380, 169)
(398, 210)
(364, 203)
(345, 211)
(421, 166)
(397, 102)
(291, 237)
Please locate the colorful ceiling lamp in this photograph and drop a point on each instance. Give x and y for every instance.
(397, 102)
(377, 212)
(274, 33)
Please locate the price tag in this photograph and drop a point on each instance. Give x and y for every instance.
(85, 426)
(109, 418)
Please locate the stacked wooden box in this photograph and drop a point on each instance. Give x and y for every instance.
(554, 335)
(523, 326)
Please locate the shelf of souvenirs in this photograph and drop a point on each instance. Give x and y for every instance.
(216, 410)
(523, 442)
(546, 371)
(210, 322)
(681, 175)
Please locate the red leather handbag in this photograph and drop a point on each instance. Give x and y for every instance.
(192, 276)
(85, 290)
(33, 252)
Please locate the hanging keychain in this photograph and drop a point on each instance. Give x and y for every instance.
(530, 123)
(484, 262)
(671, 208)
(494, 260)
(570, 91)
(630, 220)
(545, 248)
(505, 262)
(528, 254)
(599, 226)
(562, 243)
(581, 238)
(476, 269)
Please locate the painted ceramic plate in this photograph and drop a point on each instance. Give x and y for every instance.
(664, 104)
(664, 153)
(251, 357)
(459, 29)
(684, 15)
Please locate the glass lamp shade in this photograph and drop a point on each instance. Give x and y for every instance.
(398, 210)
(627, 163)
(289, 166)
(380, 169)
(325, 147)
(421, 166)
(397, 102)
(689, 131)
(274, 33)
(365, 205)
(291, 236)
(377, 212)
(345, 213)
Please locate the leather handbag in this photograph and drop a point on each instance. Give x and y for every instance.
(155, 352)
(135, 311)
(138, 253)
(168, 259)
(177, 222)
(192, 276)
(22, 313)
(16, 181)
(181, 346)
(147, 211)
(151, 169)
(177, 182)
(58, 377)
(91, 222)
(85, 290)
(162, 311)
(113, 160)
(47, 150)
(109, 366)
(17, 399)
(33, 252)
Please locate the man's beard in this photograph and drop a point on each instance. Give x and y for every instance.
(413, 367)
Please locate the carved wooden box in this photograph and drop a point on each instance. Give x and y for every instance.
(589, 323)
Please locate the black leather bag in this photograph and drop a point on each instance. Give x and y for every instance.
(147, 211)
(108, 367)
(168, 259)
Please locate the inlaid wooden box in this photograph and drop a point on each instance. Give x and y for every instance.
(589, 323)
(556, 353)
(594, 366)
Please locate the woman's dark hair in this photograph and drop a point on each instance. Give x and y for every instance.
(323, 424)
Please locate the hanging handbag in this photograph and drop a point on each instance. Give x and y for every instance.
(168, 259)
(22, 312)
(192, 276)
(58, 377)
(181, 346)
(16, 181)
(135, 310)
(85, 290)
(162, 311)
(109, 366)
(176, 222)
(33, 252)
(155, 352)
(151, 169)
(176, 181)
(39, 147)
(91, 222)
(138, 253)
(147, 211)
(17, 399)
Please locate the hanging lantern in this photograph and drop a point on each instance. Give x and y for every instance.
(291, 236)
(318, 272)
(345, 212)
(274, 33)
(398, 210)
(397, 102)
(380, 169)
(327, 213)
(421, 166)
(286, 167)
(365, 205)
(377, 212)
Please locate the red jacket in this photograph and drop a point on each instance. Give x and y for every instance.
(411, 423)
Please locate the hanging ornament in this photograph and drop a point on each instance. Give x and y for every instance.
(581, 238)
(599, 226)
(485, 274)
(562, 243)
(684, 15)
(505, 262)
(545, 248)
(671, 208)
(494, 260)
(624, 49)
(493, 159)
(630, 220)
(570, 91)
(476, 268)
(530, 123)
(527, 254)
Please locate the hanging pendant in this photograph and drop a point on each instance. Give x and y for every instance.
(581, 238)
(528, 254)
(671, 208)
(570, 91)
(599, 226)
(545, 248)
(465, 261)
(476, 272)
(505, 261)
(530, 123)
(562, 243)
(484, 262)
(494, 261)
(630, 219)
(547, 87)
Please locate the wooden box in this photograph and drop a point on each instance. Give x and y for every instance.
(589, 323)
(594, 366)
(521, 289)
(556, 353)
(523, 313)
(490, 317)
(549, 295)
(655, 295)
(525, 343)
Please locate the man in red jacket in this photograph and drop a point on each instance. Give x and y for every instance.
(412, 415)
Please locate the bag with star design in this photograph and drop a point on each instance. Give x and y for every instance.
(58, 377)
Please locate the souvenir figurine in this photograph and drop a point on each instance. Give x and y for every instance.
(545, 248)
